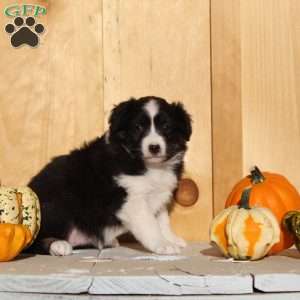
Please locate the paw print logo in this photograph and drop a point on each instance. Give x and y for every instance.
(24, 32)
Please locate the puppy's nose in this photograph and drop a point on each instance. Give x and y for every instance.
(154, 149)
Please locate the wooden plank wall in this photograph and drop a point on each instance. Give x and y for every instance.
(226, 98)
(256, 90)
(93, 55)
(50, 96)
(161, 53)
(234, 64)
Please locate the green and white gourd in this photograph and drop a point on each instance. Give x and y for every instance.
(20, 206)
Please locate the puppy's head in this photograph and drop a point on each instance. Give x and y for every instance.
(150, 128)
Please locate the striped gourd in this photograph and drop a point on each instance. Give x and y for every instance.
(20, 206)
(243, 232)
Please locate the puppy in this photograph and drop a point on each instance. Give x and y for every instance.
(117, 183)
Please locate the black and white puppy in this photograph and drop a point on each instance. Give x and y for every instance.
(119, 182)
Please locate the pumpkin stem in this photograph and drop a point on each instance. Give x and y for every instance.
(256, 175)
(244, 203)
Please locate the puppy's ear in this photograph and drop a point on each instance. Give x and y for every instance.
(119, 117)
(183, 120)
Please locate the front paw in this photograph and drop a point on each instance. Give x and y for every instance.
(179, 241)
(115, 243)
(112, 244)
(174, 239)
(167, 248)
(60, 248)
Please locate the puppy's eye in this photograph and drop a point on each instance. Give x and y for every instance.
(138, 127)
(166, 126)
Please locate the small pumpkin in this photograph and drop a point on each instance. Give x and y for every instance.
(272, 191)
(20, 206)
(291, 222)
(13, 239)
(244, 232)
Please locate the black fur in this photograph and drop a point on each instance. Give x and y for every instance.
(79, 188)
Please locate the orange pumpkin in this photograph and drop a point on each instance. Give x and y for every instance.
(13, 239)
(272, 191)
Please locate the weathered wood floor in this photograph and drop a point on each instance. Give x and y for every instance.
(129, 270)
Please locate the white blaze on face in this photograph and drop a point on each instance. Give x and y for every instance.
(153, 139)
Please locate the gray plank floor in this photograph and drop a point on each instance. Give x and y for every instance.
(254, 296)
(130, 270)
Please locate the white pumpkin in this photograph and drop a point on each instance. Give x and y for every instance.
(245, 233)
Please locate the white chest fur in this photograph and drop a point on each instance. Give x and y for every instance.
(155, 187)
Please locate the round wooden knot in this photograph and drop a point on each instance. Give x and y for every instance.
(187, 192)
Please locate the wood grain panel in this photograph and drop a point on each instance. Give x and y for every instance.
(51, 95)
(163, 48)
(226, 98)
(255, 90)
(294, 10)
(270, 86)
